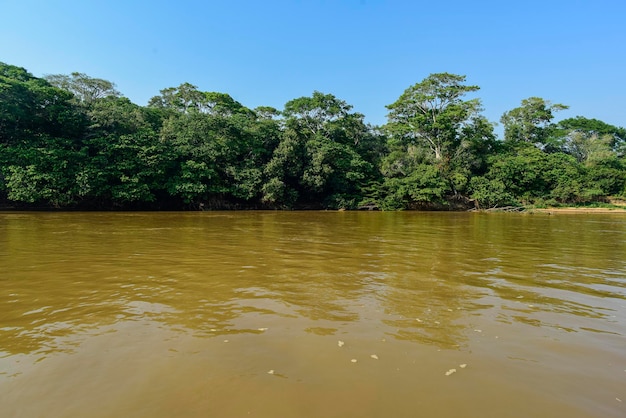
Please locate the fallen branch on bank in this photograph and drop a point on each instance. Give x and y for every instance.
(501, 209)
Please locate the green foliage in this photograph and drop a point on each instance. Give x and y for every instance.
(192, 181)
(430, 114)
(593, 142)
(40, 144)
(532, 123)
(437, 141)
(219, 151)
(490, 193)
(597, 145)
(31, 107)
(283, 171)
(527, 175)
(321, 159)
(589, 127)
(186, 98)
(73, 141)
(607, 176)
(125, 168)
(85, 89)
(587, 148)
(42, 174)
(564, 179)
(423, 185)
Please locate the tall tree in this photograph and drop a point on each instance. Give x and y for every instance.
(220, 146)
(583, 124)
(575, 129)
(86, 89)
(532, 123)
(187, 98)
(127, 163)
(588, 147)
(431, 113)
(321, 158)
(40, 139)
(437, 139)
(30, 108)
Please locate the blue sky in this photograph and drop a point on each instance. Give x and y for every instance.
(366, 52)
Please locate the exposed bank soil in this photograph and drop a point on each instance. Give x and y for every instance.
(620, 210)
(620, 207)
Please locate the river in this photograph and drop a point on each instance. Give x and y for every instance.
(312, 314)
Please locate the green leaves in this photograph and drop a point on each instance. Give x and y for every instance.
(531, 122)
(436, 138)
(186, 98)
(72, 141)
(84, 88)
(31, 107)
(429, 114)
(43, 174)
(320, 159)
(423, 185)
(526, 175)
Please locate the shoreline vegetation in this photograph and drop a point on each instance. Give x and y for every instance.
(621, 210)
(73, 142)
(612, 206)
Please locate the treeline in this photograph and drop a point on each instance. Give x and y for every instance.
(73, 142)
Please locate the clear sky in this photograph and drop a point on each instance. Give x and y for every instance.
(366, 52)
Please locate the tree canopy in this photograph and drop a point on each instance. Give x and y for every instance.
(73, 141)
(531, 122)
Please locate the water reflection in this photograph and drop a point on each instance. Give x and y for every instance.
(417, 276)
(447, 281)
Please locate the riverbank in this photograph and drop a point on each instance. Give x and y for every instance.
(614, 206)
(620, 210)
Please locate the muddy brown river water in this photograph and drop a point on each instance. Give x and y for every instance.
(312, 314)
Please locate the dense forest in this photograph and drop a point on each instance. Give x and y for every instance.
(74, 142)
